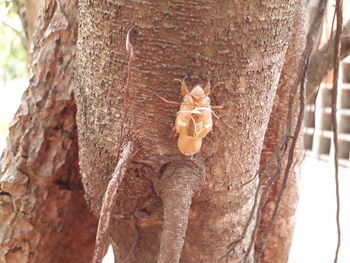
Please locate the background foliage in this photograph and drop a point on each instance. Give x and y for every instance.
(13, 42)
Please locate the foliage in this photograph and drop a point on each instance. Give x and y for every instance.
(13, 53)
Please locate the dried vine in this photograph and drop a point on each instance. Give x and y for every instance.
(128, 152)
(336, 60)
(126, 104)
(125, 155)
(299, 84)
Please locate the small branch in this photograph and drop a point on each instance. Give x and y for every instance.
(336, 60)
(12, 28)
(178, 184)
(18, 33)
(126, 155)
(322, 57)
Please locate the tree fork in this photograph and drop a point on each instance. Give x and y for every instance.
(178, 183)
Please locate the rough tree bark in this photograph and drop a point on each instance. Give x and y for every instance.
(244, 46)
(278, 245)
(241, 43)
(43, 214)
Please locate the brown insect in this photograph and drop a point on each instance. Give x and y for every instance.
(194, 119)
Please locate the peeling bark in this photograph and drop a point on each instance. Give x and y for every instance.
(43, 213)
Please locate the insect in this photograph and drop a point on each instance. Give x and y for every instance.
(194, 119)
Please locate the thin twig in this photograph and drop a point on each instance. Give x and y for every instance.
(289, 162)
(124, 157)
(277, 156)
(110, 196)
(12, 28)
(18, 33)
(299, 83)
(336, 60)
(279, 153)
(126, 104)
(271, 180)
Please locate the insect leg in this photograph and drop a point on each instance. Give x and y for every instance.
(218, 107)
(172, 133)
(207, 88)
(169, 101)
(184, 88)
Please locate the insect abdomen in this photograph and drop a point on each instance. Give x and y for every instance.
(189, 145)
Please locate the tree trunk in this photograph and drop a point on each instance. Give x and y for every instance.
(278, 245)
(241, 43)
(43, 213)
